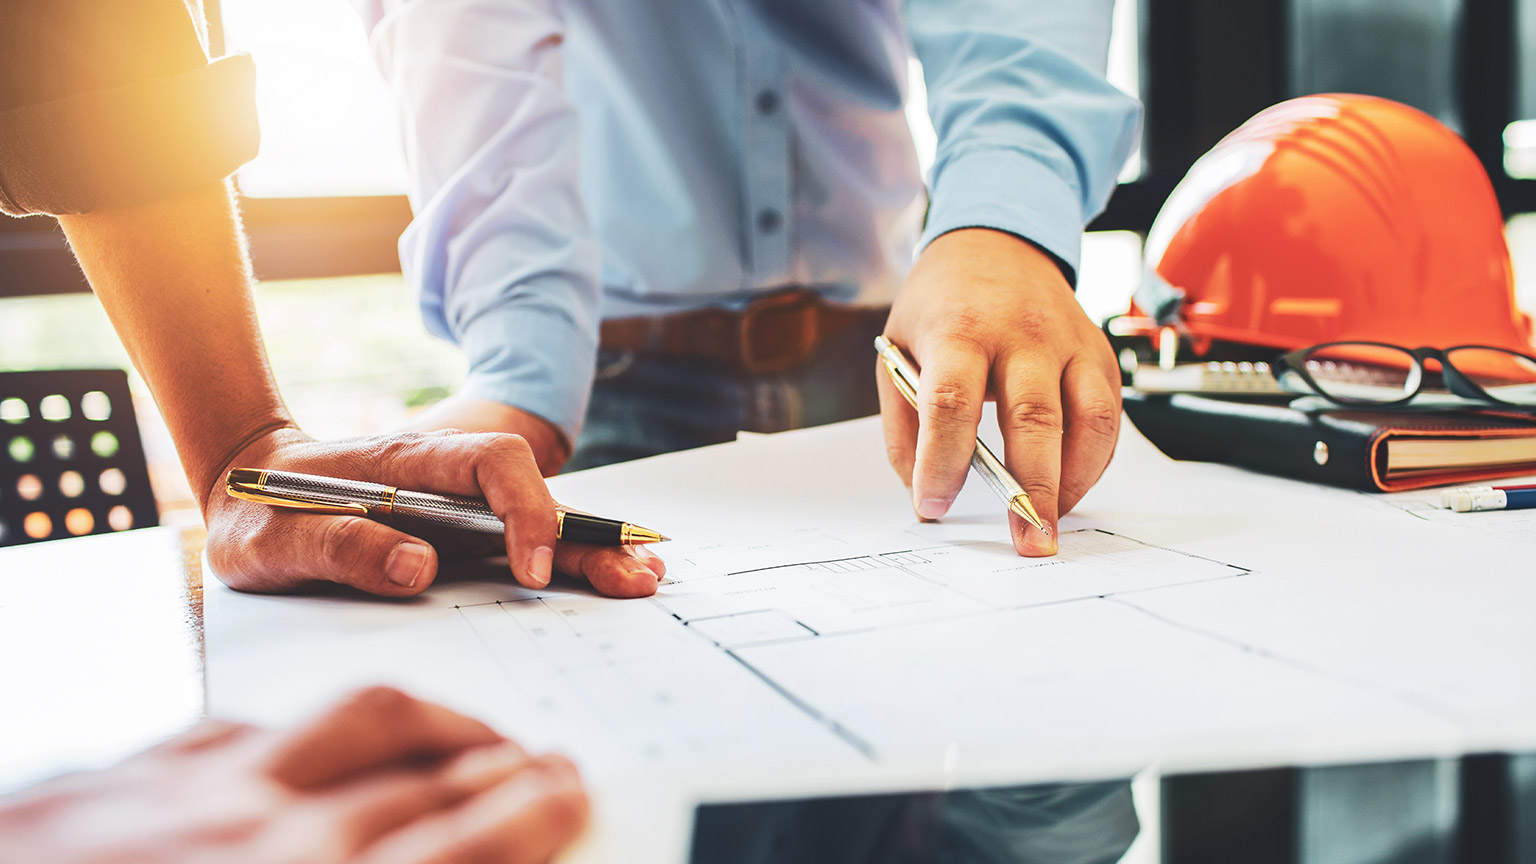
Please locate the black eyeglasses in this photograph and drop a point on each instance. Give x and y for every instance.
(1373, 373)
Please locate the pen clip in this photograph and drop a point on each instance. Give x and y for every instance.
(252, 492)
(902, 386)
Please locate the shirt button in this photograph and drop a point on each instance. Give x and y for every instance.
(768, 220)
(767, 102)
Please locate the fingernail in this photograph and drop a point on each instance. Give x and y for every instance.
(653, 561)
(933, 508)
(541, 565)
(405, 564)
(1039, 544)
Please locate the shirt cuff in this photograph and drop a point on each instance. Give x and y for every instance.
(152, 139)
(1007, 189)
(531, 357)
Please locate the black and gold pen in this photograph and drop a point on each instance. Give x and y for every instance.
(333, 495)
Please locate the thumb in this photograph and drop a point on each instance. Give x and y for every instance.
(368, 556)
(292, 549)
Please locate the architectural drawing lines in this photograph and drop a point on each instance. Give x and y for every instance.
(865, 749)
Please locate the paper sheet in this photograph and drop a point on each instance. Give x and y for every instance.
(100, 659)
(814, 637)
(1511, 526)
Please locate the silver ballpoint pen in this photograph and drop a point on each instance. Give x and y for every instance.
(983, 461)
(335, 495)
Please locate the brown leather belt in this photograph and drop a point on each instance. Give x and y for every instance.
(775, 333)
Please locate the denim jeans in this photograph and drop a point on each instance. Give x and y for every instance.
(643, 405)
(1076, 823)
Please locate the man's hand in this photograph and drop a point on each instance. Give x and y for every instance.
(255, 547)
(380, 779)
(988, 316)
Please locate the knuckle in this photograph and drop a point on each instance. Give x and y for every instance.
(964, 326)
(506, 447)
(512, 443)
(1045, 492)
(1032, 418)
(341, 543)
(1030, 327)
(388, 448)
(949, 398)
(1100, 417)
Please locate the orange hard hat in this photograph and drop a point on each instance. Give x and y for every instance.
(1328, 218)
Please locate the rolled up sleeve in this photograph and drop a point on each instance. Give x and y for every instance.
(110, 104)
(501, 250)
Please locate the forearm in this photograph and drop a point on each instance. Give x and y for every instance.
(501, 250)
(174, 278)
(1031, 135)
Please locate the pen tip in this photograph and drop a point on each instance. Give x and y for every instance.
(638, 536)
(1020, 505)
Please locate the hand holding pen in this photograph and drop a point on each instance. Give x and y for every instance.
(983, 461)
(985, 315)
(256, 547)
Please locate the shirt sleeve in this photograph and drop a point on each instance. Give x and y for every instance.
(1031, 136)
(500, 249)
(108, 104)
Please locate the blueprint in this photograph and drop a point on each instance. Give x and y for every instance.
(813, 637)
(728, 652)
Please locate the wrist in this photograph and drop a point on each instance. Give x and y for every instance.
(997, 240)
(248, 451)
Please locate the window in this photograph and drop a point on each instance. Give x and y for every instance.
(328, 121)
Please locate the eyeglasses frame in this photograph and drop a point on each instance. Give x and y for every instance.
(1455, 380)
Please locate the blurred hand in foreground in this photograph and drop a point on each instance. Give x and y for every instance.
(382, 778)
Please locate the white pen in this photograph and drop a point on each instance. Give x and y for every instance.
(983, 461)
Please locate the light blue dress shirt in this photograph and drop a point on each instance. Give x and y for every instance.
(577, 160)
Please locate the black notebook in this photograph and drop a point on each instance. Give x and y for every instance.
(1382, 451)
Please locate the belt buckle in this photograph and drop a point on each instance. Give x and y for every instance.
(799, 307)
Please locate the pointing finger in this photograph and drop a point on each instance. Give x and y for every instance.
(1029, 415)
